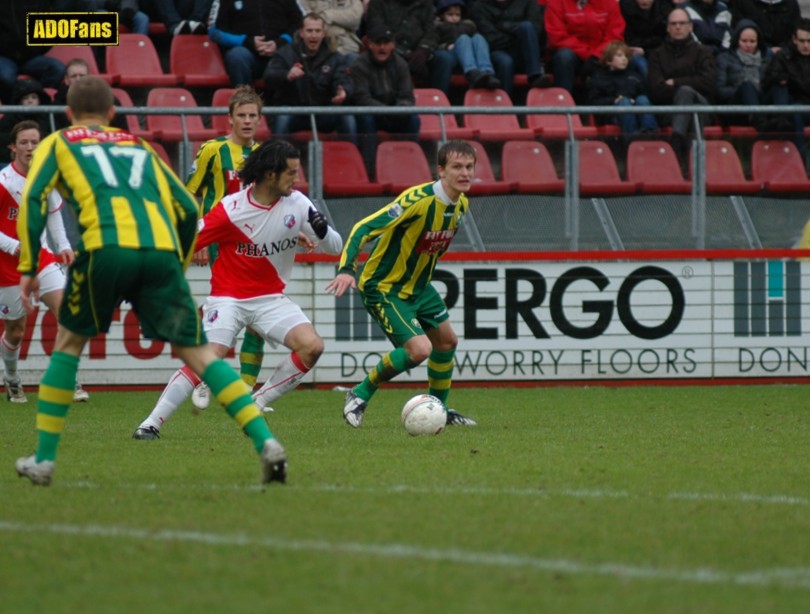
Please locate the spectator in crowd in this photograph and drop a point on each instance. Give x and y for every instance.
(514, 31)
(342, 19)
(180, 16)
(776, 19)
(77, 69)
(26, 92)
(249, 32)
(614, 82)
(682, 72)
(381, 78)
(16, 57)
(308, 73)
(413, 23)
(788, 79)
(578, 31)
(741, 70)
(471, 50)
(711, 23)
(645, 29)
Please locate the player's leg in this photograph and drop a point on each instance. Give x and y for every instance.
(440, 369)
(398, 319)
(306, 347)
(15, 319)
(52, 282)
(166, 310)
(55, 397)
(176, 392)
(251, 355)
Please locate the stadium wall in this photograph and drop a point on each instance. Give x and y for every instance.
(524, 319)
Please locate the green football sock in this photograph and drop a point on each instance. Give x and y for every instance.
(392, 364)
(55, 397)
(250, 357)
(440, 373)
(234, 394)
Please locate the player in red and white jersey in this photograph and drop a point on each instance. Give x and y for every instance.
(257, 230)
(25, 137)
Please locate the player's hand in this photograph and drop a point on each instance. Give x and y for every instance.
(341, 283)
(201, 257)
(66, 256)
(29, 292)
(305, 243)
(318, 222)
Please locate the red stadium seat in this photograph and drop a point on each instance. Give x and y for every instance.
(197, 61)
(504, 127)
(66, 53)
(168, 127)
(655, 167)
(344, 172)
(485, 181)
(528, 165)
(555, 126)
(724, 171)
(402, 164)
(134, 62)
(598, 172)
(301, 184)
(779, 167)
(221, 124)
(133, 125)
(430, 126)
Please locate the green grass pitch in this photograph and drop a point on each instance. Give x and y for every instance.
(648, 499)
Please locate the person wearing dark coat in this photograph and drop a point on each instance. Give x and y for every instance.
(776, 19)
(682, 73)
(25, 92)
(413, 23)
(381, 78)
(741, 71)
(788, 79)
(460, 36)
(308, 73)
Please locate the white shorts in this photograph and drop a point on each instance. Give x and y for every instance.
(51, 278)
(271, 316)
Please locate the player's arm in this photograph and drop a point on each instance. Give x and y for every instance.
(56, 227)
(8, 244)
(200, 169)
(185, 207)
(33, 214)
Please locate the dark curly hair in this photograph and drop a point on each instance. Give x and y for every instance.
(270, 157)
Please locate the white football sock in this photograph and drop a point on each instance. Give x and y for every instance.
(176, 391)
(287, 375)
(10, 357)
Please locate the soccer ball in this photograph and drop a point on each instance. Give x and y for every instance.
(424, 415)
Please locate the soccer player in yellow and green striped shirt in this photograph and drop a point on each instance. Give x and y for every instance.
(138, 226)
(410, 236)
(214, 175)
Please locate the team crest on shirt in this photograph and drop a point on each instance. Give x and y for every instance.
(212, 316)
(289, 221)
(394, 211)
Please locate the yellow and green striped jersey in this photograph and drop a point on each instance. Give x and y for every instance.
(411, 235)
(121, 191)
(214, 171)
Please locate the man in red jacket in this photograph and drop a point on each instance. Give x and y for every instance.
(577, 32)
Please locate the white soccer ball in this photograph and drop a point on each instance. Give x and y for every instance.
(424, 415)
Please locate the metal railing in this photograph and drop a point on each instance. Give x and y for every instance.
(571, 150)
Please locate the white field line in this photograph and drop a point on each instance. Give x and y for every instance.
(577, 493)
(797, 577)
